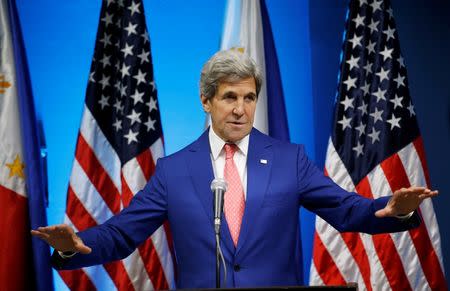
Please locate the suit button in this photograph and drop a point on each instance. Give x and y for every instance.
(237, 268)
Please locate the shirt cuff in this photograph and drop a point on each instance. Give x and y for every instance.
(404, 217)
(66, 255)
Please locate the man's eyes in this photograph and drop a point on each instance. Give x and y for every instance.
(247, 98)
(250, 97)
(232, 97)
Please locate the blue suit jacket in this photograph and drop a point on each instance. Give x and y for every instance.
(268, 251)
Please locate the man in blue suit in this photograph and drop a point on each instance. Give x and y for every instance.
(268, 180)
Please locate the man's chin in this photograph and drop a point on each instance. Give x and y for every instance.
(237, 136)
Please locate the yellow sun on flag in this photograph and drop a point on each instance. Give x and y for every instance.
(239, 49)
(16, 168)
(3, 84)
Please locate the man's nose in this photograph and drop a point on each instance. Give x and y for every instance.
(239, 108)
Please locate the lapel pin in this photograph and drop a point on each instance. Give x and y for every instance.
(263, 161)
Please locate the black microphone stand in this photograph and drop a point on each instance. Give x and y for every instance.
(217, 261)
(217, 235)
(218, 186)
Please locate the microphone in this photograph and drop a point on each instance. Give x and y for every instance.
(218, 187)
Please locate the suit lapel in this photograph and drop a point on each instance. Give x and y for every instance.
(201, 172)
(259, 164)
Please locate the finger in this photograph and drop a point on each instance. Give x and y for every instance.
(417, 189)
(55, 229)
(45, 229)
(40, 235)
(430, 195)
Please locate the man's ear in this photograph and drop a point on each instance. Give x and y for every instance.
(206, 103)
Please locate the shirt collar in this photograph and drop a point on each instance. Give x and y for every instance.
(216, 144)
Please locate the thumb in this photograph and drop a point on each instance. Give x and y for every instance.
(83, 249)
(382, 213)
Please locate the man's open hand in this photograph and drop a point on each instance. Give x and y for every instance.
(405, 200)
(62, 238)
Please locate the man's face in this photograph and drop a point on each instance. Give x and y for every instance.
(232, 109)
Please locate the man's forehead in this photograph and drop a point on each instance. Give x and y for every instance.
(238, 84)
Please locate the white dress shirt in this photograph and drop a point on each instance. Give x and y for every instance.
(239, 158)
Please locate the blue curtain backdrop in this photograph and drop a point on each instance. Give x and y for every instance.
(59, 39)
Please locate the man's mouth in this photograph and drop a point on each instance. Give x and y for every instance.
(237, 122)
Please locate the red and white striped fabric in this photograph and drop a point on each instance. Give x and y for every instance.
(99, 188)
(399, 261)
(376, 148)
(119, 142)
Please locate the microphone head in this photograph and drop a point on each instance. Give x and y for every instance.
(219, 184)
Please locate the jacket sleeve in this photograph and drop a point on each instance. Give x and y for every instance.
(345, 211)
(121, 234)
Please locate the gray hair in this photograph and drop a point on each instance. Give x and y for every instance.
(228, 66)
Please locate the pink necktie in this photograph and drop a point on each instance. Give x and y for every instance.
(234, 197)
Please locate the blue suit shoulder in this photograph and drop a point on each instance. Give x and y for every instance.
(285, 147)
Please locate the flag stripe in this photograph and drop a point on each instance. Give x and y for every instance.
(97, 275)
(418, 144)
(376, 268)
(403, 241)
(416, 175)
(153, 266)
(103, 150)
(172, 254)
(135, 267)
(76, 209)
(335, 169)
(356, 248)
(343, 257)
(146, 163)
(161, 236)
(352, 240)
(427, 255)
(414, 171)
(326, 268)
(378, 277)
(147, 250)
(135, 176)
(77, 280)
(119, 275)
(13, 269)
(315, 277)
(96, 173)
(386, 250)
(81, 218)
(93, 202)
(376, 144)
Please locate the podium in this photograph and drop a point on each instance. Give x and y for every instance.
(348, 287)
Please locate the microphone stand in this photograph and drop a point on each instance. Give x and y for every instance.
(218, 187)
(217, 261)
(218, 250)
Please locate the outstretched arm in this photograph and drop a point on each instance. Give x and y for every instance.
(405, 200)
(62, 238)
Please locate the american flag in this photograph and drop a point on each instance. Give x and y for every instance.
(119, 141)
(375, 148)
